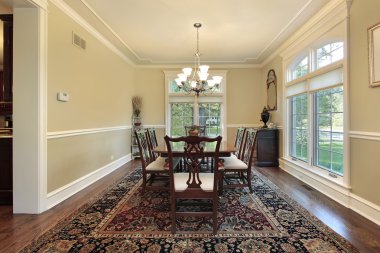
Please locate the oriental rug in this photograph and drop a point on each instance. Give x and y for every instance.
(124, 219)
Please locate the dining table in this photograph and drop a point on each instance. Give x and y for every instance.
(225, 149)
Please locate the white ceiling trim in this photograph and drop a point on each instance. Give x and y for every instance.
(162, 63)
(111, 30)
(147, 61)
(77, 18)
(284, 29)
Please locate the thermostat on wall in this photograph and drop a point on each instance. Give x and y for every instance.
(63, 96)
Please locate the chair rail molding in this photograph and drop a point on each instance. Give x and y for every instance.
(68, 133)
(373, 136)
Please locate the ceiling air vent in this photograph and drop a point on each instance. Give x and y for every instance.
(78, 41)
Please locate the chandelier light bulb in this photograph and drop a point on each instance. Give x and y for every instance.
(204, 68)
(178, 81)
(182, 77)
(203, 76)
(217, 79)
(187, 71)
(193, 84)
(211, 83)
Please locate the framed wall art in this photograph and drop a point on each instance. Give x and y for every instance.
(374, 55)
(271, 90)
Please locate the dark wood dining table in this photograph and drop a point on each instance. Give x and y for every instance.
(178, 147)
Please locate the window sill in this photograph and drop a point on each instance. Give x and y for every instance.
(318, 174)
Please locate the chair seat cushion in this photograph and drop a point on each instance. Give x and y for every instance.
(158, 164)
(231, 163)
(161, 163)
(180, 180)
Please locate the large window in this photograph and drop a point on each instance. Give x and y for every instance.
(181, 116)
(300, 69)
(315, 109)
(329, 129)
(185, 109)
(299, 127)
(329, 53)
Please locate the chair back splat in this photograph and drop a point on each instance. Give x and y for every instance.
(239, 141)
(152, 142)
(193, 184)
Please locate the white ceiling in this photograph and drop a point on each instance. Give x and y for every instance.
(233, 32)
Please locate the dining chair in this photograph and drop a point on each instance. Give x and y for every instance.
(153, 142)
(193, 184)
(237, 172)
(239, 141)
(153, 169)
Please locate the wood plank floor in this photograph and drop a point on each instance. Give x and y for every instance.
(18, 230)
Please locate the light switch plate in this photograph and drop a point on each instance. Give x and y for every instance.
(63, 96)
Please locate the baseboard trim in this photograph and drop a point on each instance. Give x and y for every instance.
(341, 195)
(365, 208)
(57, 196)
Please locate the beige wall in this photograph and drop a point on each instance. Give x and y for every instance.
(99, 82)
(245, 98)
(364, 104)
(100, 85)
(150, 85)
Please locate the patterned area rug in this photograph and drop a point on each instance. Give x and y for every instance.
(123, 219)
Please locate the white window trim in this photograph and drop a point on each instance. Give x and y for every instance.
(214, 97)
(337, 16)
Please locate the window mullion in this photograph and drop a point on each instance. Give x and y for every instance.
(311, 128)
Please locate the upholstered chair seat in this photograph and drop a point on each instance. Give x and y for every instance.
(180, 180)
(233, 163)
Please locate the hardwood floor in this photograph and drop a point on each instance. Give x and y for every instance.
(18, 230)
(362, 233)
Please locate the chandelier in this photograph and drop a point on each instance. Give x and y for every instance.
(195, 80)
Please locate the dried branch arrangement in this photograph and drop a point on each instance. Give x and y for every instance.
(136, 105)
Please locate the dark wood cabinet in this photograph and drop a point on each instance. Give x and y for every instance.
(267, 145)
(6, 167)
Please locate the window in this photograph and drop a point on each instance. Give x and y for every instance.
(299, 127)
(300, 69)
(329, 53)
(329, 129)
(315, 110)
(182, 111)
(182, 115)
(209, 115)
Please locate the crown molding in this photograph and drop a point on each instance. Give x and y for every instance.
(40, 3)
(65, 8)
(333, 13)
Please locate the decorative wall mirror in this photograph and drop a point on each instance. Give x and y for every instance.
(271, 91)
(374, 55)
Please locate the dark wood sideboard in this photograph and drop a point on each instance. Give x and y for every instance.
(267, 145)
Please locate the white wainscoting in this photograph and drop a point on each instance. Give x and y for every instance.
(57, 196)
(66, 191)
(338, 193)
